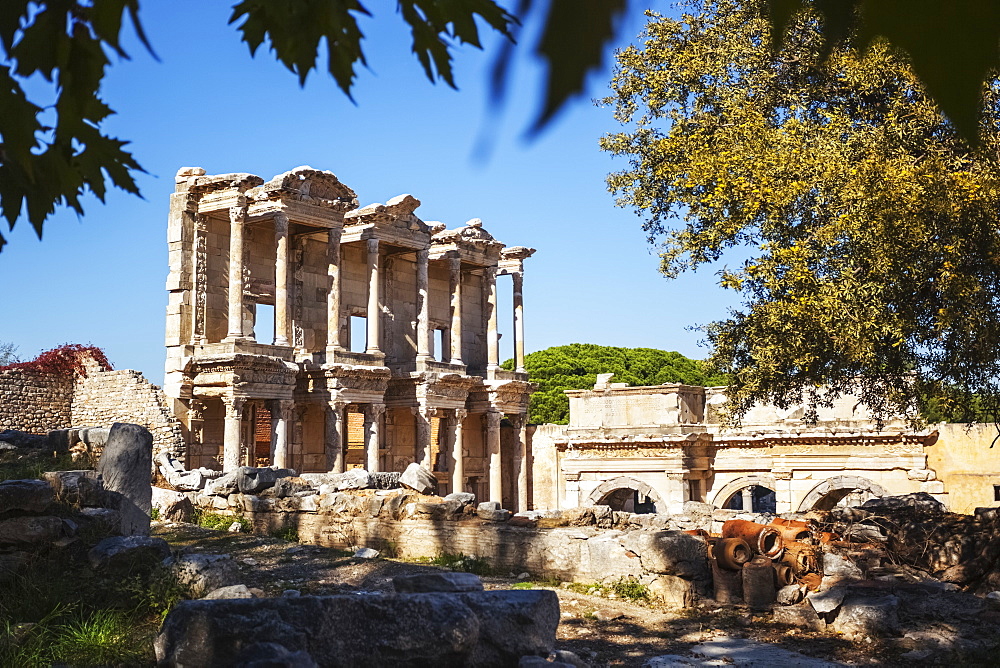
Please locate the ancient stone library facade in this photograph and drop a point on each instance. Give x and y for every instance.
(303, 331)
(650, 449)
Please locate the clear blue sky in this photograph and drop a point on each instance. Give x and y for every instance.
(100, 279)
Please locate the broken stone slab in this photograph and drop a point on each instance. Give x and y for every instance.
(104, 517)
(789, 595)
(172, 506)
(670, 553)
(94, 437)
(123, 553)
(124, 467)
(437, 581)
(835, 565)
(739, 653)
(30, 496)
(80, 488)
(202, 573)
(292, 485)
(867, 616)
(494, 515)
(801, 616)
(489, 628)
(465, 498)
(226, 484)
(384, 480)
(352, 479)
(22, 439)
(189, 481)
(253, 480)
(673, 591)
(433, 510)
(366, 553)
(30, 530)
(825, 602)
(418, 478)
(229, 592)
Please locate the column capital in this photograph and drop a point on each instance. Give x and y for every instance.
(460, 413)
(519, 420)
(238, 214)
(234, 406)
(371, 244)
(493, 419)
(373, 411)
(280, 222)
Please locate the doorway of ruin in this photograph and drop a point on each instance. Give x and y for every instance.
(841, 490)
(753, 498)
(627, 494)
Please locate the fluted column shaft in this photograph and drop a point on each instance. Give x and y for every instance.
(333, 290)
(374, 301)
(518, 321)
(520, 424)
(493, 448)
(334, 440)
(281, 328)
(232, 433)
(423, 308)
(492, 334)
(373, 414)
(455, 285)
(237, 221)
(458, 452)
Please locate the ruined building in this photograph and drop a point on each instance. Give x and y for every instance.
(305, 332)
(651, 449)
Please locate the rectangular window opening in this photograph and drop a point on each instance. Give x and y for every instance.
(358, 336)
(996, 492)
(437, 346)
(263, 324)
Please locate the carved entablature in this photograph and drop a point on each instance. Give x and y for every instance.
(397, 212)
(310, 185)
(239, 181)
(474, 244)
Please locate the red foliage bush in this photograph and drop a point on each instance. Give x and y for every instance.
(66, 359)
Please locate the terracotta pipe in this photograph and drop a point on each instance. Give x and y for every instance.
(731, 553)
(801, 558)
(800, 524)
(763, 539)
(783, 574)
(792, 534)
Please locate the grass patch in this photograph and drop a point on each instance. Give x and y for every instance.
(25, 464)
(221, 522)
(289, 534)
(523, 585)
(461, 562)
(626, 588)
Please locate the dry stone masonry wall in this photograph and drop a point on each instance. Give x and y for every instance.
(34, 402)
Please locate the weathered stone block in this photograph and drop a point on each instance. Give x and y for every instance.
(670, 552)
(82, 488)
(419, 479)
(30, 530)
(123, 553)
(202, 573)
(251, 480)
(124, 467)
(862, 616)
(172, 506)
(437, 581)
(31, 496)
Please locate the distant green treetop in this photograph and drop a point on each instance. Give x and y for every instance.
(575, 367)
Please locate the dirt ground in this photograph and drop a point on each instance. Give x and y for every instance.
(601, 630)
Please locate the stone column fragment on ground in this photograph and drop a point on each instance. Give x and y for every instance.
(458, 451)
(455, 285)
(237, 221)
(335, 436)
(333, 292)
(374, 299)
(492, 333)
(125, 467)
(281, 413)
(281, 321)
(423, 308)
(518, 280)
(231, 438)
(493, 448)
(373, 416)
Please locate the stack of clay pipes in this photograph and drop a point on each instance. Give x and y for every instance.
(750, 561)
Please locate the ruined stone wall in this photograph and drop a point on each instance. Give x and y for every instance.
(35, 402)
(107, 397)
(966, 459)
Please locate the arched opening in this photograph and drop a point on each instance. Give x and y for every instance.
(753, 498)
(628, 495)
(844, 491)
(628, 500)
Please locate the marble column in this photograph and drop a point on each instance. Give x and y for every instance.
(374, 302)
(518, 279)
(492, 335)
(458, 451)
(334, 438)
(423, 450)
(747, 494)
(520, 422)
(281, 321)
(231, 439)
(281, 414)
(455, 285)
(493, 448)
(373, 418)
(423, 308)
(333, 292)
(237, 221)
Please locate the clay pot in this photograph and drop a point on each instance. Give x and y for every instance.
(783, 574)
(732, 553)
(764, 540)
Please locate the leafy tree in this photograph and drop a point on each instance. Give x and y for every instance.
(52, 161)
(874, 225)
(8, 354)
(575, 367)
